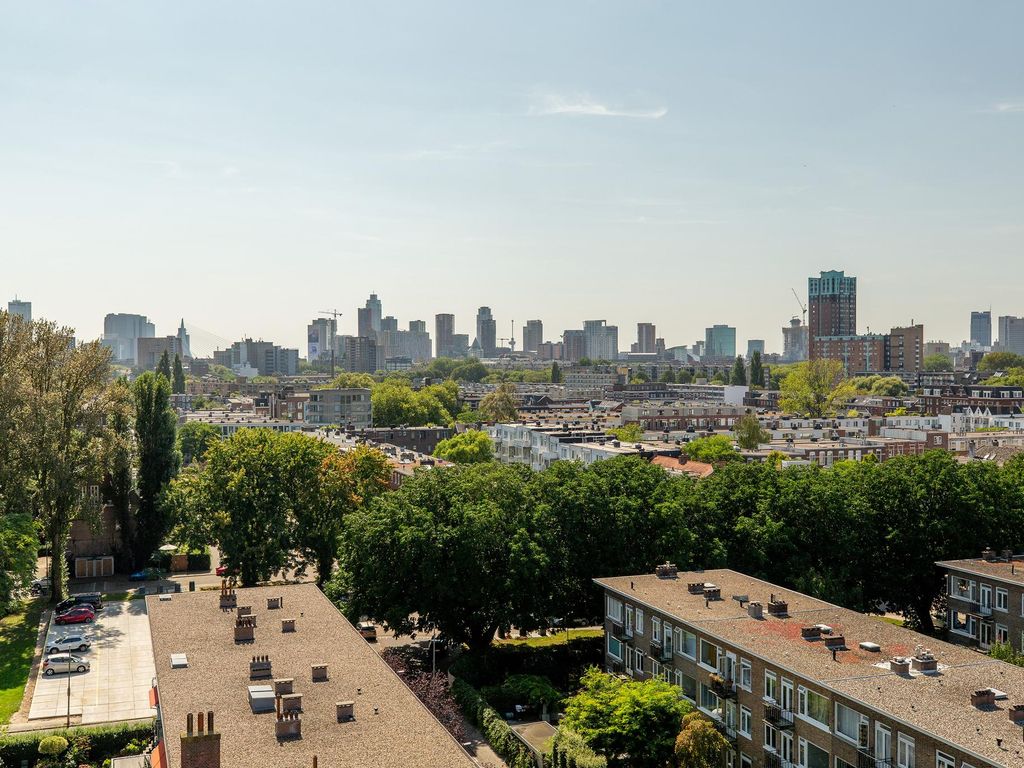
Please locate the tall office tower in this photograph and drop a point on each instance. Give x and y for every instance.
(320, 339)
(646, 338)
(486, 332)
(361, 354)
(981, 328)
(444, 333)
(1011, 334)
(533, 335)
(369, 317)
(832, 305)
(573, 345)
(720, 342)
(184, 343)
(794, 342)
(121, 333)
(600, 341)
(22, 309)
(419, 341)
(460, 344)
(755, 345)
(388, 323)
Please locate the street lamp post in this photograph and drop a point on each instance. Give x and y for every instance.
(68, 724)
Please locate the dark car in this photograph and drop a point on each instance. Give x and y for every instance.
(92, 599)
(80, 614)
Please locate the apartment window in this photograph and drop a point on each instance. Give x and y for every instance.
(686, 643)
(905, 752)
(813, 705)
(629, 619)
(687, 684)
(771, 738)
(746, 761)
(668, 636)
(614, 648)
(942, 760)
(639, 621)
(811, 755)
(771, 686)
(745, 674)
(1002, 634)
(840, 763)
(847, 722)
(638, 661)
(655, 668)
(709, 654)
(655, 630)
(615, 609)
(745, 721)
(1002, 599)
(709, 701)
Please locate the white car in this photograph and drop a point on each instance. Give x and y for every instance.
(64, 662)
(68, 643)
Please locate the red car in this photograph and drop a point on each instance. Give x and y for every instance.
(222, 570)
(78, 615)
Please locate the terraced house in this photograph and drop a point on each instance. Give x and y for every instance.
(985, 599)
(795, 681)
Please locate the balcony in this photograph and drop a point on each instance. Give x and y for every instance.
(866, 759)
(774, 760)
(728, 731)
(725, 689)
(778, 717)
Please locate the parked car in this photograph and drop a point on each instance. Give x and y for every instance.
(64, 662)
(92, 599)
(367, 630)
(146, 574)
(80, 614)
(40, 586)
(68, 643)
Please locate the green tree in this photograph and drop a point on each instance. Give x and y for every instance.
(815, 388)
(667, 377)
(120, 460)
(938, 362)
(1000, 361)
(627, 433)
(713, 449)
(699, 743)
(739, 373)
(178, 382)
(684, 376)
(500, 405)
(631, 723)
(466, 546)
(470, 447)
(889, 386)
(470, 369)
(194, 438)
(756, 370)
(158, 461)
(395, 402)
(164, 366)
(749, 434)
(556, 373)
(348, 380)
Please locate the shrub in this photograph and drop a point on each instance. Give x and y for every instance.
(497, 732)
(53, 745)
(94, 745)
(568, 750)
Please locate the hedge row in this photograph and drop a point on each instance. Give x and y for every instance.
(104, 742)
(497, 732)
(568, 750)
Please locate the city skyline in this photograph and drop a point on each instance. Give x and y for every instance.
(730, 152)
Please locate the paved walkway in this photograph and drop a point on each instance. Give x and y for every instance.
(122, 669)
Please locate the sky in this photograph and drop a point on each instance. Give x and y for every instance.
(248, 165)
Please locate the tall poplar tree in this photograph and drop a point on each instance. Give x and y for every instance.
(155, 427)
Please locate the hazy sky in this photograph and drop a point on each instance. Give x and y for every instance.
(247, 164)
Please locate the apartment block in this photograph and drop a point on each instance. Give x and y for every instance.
(985, 599)
(832, 305)
(349, 407)
(791, 680)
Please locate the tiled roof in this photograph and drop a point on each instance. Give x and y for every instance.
(1011, 572)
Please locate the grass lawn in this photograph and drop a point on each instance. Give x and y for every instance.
(558, 638)
(17, 645)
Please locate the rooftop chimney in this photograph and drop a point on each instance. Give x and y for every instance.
(200, 748)
(988, 554)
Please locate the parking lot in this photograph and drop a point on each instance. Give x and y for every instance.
(116, 687)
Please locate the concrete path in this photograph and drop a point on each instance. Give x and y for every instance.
(122, 669)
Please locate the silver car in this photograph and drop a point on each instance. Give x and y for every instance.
(68, 643)
(64, 662)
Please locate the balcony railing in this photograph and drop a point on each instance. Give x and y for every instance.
(729, 731)
(777, 716)
(866, 759)
(775, 760)
(725, 689)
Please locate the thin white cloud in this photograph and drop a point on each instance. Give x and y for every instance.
(582, 104)
(1006, 108)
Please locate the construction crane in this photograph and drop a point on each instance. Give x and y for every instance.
(511, 340)
(803, 307)
(332, 313)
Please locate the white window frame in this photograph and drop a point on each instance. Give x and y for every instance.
(855, 739)
(802, 694)
(681, 636)
(1002, 633)
(700, 656)
(1002, 600)
(746, 714)
(942, 760)
(746, 673)
(639, 621)
(902, 741)
(628, 626)
(608, 645)
(614, 609)
(655, 630)
(769, 675)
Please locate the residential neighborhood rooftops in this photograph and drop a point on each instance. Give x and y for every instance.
(934, 701)
(390, 726)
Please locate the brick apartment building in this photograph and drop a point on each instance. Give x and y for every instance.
(952, 398)
(985, 599)
(794, 681)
